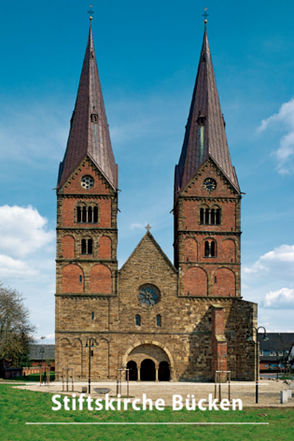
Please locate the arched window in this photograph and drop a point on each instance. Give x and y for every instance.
(138, 320)
(87, 214)
(210, 216)
(84, 216)
(90, 217)
(87, 246)
(158, 320)
(210, 248)
(79, 214)
(95, 215)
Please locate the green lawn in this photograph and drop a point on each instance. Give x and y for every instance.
(19, 406)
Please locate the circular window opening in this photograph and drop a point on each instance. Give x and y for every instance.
(149, 294)
(87, 182)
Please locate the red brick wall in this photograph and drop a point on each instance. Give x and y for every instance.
(228, 250)
(195, 282)
(191, 249)
(100, 279)
(74, 186)
(68, 247)
(225, 283)
(104, 248)
(71, 279)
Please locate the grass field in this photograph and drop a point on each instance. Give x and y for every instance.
(18, 407)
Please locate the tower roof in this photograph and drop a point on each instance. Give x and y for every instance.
(89, 133)
(205, 134)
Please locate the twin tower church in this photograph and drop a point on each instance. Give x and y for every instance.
(179, 321)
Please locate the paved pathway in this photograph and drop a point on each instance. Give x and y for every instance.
(269, 390)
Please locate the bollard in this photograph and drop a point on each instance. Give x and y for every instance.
(284, 396)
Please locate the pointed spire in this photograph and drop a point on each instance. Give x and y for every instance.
(89, 133)
(205, 134)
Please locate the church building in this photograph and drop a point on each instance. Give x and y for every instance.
(163, 321)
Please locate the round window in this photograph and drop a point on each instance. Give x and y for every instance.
(87, 182)
(148, 295)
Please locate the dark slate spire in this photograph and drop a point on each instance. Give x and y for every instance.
(89, 133)
(205, 130)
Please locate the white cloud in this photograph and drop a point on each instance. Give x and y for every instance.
(10, 267)
(280, 260)
(22, 231)
(280, 299)
(285, 152)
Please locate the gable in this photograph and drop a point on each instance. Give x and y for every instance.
(210, 169)
(87, 168)
(148, 257)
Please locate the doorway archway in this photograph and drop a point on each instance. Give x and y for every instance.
(163, 371)
(155, 352)
(133, 370)
(147, 370)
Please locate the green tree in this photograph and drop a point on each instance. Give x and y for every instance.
(15, 328)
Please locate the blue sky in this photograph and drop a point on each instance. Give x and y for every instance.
(147, 57)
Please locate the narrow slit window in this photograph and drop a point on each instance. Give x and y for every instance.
(138, 320)
(90, 217)
(158, 320)
(95, 215)
(79, 214)
(201, 216)
(206, 249)
(90, 246)
(84, 214)
(84, 246)
(92, 315)
(212, 218)
(212, 249)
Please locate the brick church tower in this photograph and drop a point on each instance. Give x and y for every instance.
(206, 197)
(86, 267)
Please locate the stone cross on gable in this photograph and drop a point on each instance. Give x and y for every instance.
(148, 228)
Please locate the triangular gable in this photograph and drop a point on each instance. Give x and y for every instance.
(96, 169)
(219, 169)
(148, 237)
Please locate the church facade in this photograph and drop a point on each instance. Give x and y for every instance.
(180, 321)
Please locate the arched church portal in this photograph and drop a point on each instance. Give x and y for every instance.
(133, 370)
(148, 362)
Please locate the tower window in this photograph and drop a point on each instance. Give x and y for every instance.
(84, 216)
(94, 118)
(138, 320)
(87, 246)
(201, 216)
(92, 315)
(210, 216)
(87, 214)
(90, 215)
(79, 214)
(209, 248)
(158, 320)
